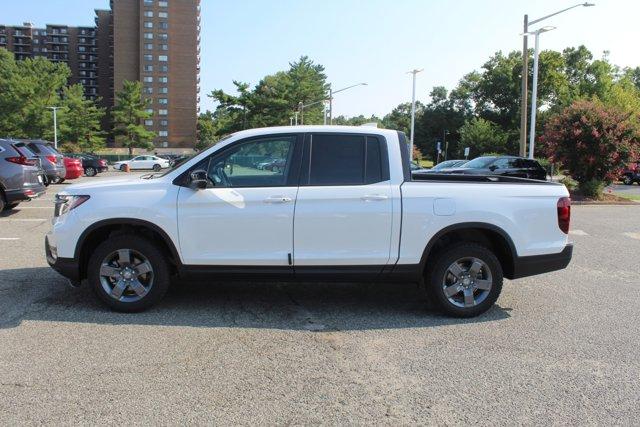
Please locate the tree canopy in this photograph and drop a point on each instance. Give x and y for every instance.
(29, 87)
(128, 115)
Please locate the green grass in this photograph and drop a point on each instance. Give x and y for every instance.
(426, 163)
(629, 196)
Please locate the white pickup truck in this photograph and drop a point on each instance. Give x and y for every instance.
(341, 205)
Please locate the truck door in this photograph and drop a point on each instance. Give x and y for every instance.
(344, 209)
(245, 216)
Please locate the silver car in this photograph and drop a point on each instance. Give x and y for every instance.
(51, 159)
(21, 177)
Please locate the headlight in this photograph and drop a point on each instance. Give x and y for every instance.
(66, 203)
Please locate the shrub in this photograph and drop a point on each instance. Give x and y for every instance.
(592, 189)
(569, 182)
(593, 142)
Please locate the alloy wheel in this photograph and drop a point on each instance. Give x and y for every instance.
(467, 282)
(126, 275)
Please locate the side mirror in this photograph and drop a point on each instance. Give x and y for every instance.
(199, 179)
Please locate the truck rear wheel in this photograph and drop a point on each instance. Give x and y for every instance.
(128, 273)
(464, 280)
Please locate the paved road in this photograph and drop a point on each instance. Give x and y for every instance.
(625, 189)
(560, 348)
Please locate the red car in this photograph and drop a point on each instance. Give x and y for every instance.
(74, 168)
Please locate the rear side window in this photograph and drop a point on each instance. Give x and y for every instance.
(336, 159)
(35, 148)
(22, 148)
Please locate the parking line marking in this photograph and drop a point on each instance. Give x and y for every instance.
(9, 238)
(578, 233)
(22, 219)
(633, 235)
(35, 207)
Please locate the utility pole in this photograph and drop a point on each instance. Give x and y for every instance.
(445, 143)
(55, 126)
(330, 106)
(524, 91)
(525, 72)
(295, 114)
(301, 108)
(413, 108)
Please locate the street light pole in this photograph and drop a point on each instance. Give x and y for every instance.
(524, 91)
(534, 88)
(332, 92)
(525, 72)
(55, 126)
(413, 108)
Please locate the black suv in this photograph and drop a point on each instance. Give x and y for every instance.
(631, 174)
(91, 164)
(501, 165)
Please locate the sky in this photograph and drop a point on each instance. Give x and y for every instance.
(372, 41)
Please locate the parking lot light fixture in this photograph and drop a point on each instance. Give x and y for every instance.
(55, 126)
(333, 92)
(534, 88)
(525, 71)
(413, 108)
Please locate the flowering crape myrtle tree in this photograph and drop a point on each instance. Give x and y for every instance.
(593, 142)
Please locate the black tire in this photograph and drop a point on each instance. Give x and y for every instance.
(438, 273)
(60, 181)
(157, 259)
(90, 171)
(3, 204)
(157, 167)
(627, 180)
(8, 207)
(123, 168)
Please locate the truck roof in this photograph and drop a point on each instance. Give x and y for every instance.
(316, 128)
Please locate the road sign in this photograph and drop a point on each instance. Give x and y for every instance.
(438, 145)
(466, 152)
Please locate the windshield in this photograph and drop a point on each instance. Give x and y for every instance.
(479, 163)
(180, 160)
(446, 164)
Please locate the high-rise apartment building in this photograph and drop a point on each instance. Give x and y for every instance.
(154, 41)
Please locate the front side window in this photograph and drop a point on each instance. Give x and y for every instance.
(258, 163)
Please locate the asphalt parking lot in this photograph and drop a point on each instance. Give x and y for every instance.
(560, 348)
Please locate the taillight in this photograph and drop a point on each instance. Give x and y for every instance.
(564, 214)
(103, 162)
(52, 159)
(21, 160)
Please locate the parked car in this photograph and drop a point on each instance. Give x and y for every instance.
(631, 174)
(91, 164)
(51, 159)
(276, 165)
(143, 162)
(73, 168)
(346, 209)
(21, 177)
(501, 165)
(446, 164)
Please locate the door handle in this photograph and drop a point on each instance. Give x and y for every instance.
(374, 197)
(277, 199)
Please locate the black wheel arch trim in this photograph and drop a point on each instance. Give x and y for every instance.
(124, 222)
(468, 225)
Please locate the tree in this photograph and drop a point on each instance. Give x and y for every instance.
(483, 136)
(273, 101)
(27, 88)
(593, 142)
(128, 115)
(80, 120)
(206, 131)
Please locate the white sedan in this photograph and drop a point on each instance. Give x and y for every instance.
(143, 162)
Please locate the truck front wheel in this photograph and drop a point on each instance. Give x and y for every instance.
(128, 273)
(464, 279)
